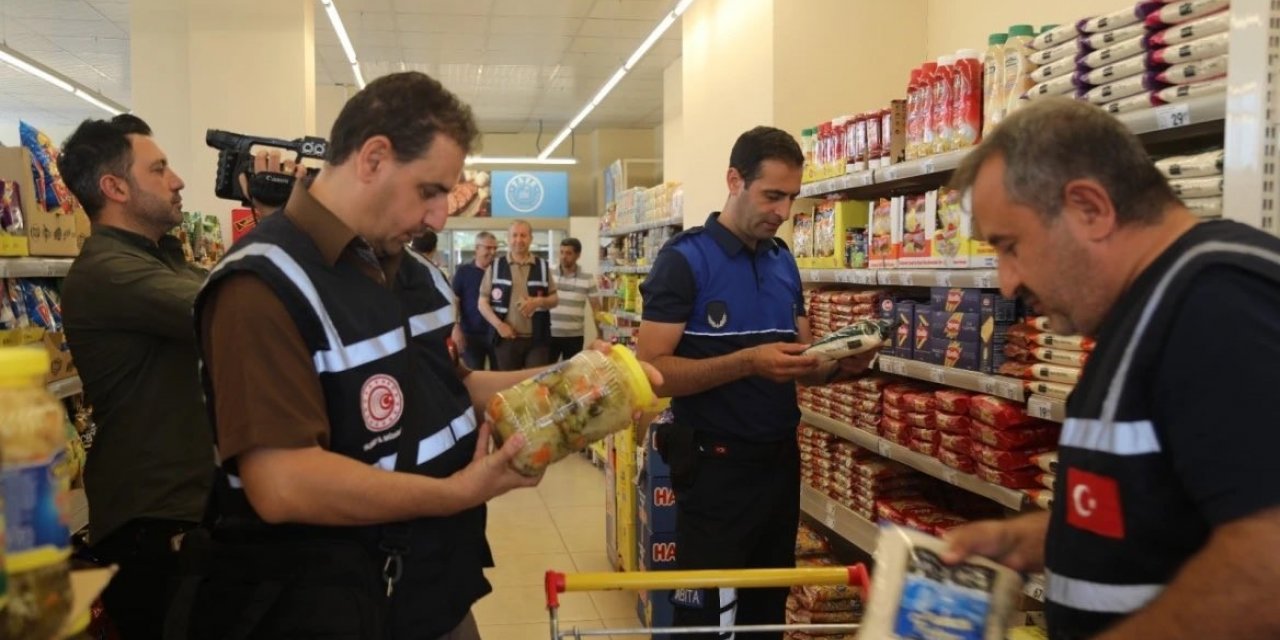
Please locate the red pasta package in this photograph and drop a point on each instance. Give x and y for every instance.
(961, 461)
(867, 406)
(919, 401)
(897, 413)
(879, 469)
(956, 442)
(1006, 460)
(923, 446)
(937, 523)
(952, 423)
(893, 394)
(922, 420)
(1042, 498)
(897, 509)
(953, 401)
(998, 412)
(925, 435)
(895, 430)
(874, 384)
(1019, 479)
(1028, 336)
(1040, 434)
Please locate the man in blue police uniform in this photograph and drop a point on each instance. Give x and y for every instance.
(349, 498)
(724, 321)
(1166, 512)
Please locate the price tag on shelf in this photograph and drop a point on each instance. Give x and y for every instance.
(890, 173)
(985, 280)
(906, 279)
(950, 476)
(1010, 389)
(988, 386)
(894, 366)
(943, 278)
(884, 448)
(1040, 407)
(937, 375)
(929, 166)
(1173, 115)
(829, 515)
(866, 276)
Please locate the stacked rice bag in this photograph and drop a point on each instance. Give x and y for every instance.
(955, 446)
(1047, 463)
(857, 403)
(826, 604)
(870, 478)
(1051, 363)
(920, 514)
(1197, 181)
(830, 310)
(817, 449)
(894, 426)
(1005, 441)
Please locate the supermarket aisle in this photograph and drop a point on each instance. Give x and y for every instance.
(558, 525)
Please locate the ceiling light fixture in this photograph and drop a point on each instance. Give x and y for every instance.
(529, 160)
(343, 39)
(36, 69)
(622, 71)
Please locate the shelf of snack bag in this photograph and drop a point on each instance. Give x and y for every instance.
(840, 519)
(674, 221)
(821, 604)
(14, 267)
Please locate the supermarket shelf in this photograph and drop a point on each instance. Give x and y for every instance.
(34, 267)
(1010, 388)
(66, 387)
(1008, 498)
(967, 278)
(855, 180)
(840, 519)
(675, 221)
(626, 269)
(1047, 408)
(1191, 119)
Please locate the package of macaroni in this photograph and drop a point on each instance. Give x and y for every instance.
(916, 595)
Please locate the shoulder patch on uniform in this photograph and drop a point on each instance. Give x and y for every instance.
(687, 233)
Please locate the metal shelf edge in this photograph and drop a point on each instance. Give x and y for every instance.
(30, 267)
(1010, 388)
(643, 226)
(1008, 498)
(859, 531)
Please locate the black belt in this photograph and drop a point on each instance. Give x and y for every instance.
(144, 536)
(717, 446)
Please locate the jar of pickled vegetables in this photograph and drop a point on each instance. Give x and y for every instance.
(36, 485)
(564, 409)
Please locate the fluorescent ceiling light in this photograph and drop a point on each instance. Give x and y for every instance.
(528, 160)
(632, 61)
(345, 40)
(32, 67)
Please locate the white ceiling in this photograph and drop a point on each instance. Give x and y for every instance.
(517, 62)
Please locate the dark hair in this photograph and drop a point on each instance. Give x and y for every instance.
(572, 242)
(408, 108)
(95, 149)
(760, 144)
(425, 243)
(1051, 142)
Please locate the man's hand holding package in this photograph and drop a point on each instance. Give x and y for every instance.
(781, 361)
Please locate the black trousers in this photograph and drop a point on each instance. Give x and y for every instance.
(139, 595)
(737, 507)
(479, 354)
(521, 353)
(565, 347)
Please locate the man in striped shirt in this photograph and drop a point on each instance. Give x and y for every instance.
(577, 289)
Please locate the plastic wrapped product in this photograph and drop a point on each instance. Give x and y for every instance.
(1199, 165)
(898, 509)
(1066, 51)
(953, 401)
(571, 405)
(1196, 71)
(1113, 53)
(893, 394)
(1040, 323)
(925, 434)
(1041, 371)
(1043, 435)
(1196, 187)
(871, 383)
(1017, 479)
(895, 430)
(1055, 37)
(1053, 70)
(1178, 13)
(1029, 336)
(1188, 31)
(951, 423)
(1207, 208)
(1131, 66)
(919, 596)
(958, 460)
(956, 442)
(1047, 462)
(810, 543)
(1123, 88)
(999, 413)
(1047, 480)
(926, 420)
(1097, 41)
(920, 402)
(935, 524)
(1060, 86)
(1065, 358)
(859, 337)
(1005, 460)
(1117, 19)
(923, 446)
(1199, 49)
(1050, 389)
(1184, 92)
(1042, 498)
(1132, 103)
(897, 413)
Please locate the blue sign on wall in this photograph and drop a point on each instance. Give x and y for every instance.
(530, 194)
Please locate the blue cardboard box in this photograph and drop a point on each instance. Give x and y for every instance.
(654, 609)
(954, 353)
(654, 465)
(657, 550)
(656, 504)
(955, 325)
(921, 321)
(888, 311)
(955, 299)
(998, 315)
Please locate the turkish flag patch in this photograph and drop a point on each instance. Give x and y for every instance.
(1093, 504)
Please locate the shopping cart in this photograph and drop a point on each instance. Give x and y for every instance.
(557, 583)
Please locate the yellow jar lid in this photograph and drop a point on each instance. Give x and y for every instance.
(23, 362)
(642, 395)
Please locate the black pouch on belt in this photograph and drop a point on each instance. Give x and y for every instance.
(676, 443)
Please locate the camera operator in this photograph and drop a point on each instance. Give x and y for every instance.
(270, 162)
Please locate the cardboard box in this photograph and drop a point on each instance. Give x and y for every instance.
(956, 299)
(620, 501)
(802, 239)
(998, 315)
(831, 220)
(895, 134)
(956, 325)
(954, 353)
(654, 609)
(657, 550)
(885, 233)
(953, 231)
(921, 321)
(61, 366)
(48, 234)
(887, 310)
(901, 311)
(656, 504)
(919, 222)
(14, 244)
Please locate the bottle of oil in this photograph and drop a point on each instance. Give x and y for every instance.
(35, 483)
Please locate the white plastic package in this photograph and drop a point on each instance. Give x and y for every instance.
(1180, 12)
(1114, 53)
(1055, 37)
(1060, 86)
(1188, 31)
(1053, 70)
(859, 337)
(1198, 49)
(1132, 14)
(915, 595)
(1065, 51)
(1125, 105)
(1207, 208)
(1197, 71)
(1197, 187)
(1184, 92)
(1117, 70)
(1098, 41)
(1208, 163)
(1123, 88)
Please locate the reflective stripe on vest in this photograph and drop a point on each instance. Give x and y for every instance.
(1118, 438)
(1097, 596)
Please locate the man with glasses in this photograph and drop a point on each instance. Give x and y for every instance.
(473, 335)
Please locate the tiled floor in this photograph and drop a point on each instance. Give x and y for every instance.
(558, 525)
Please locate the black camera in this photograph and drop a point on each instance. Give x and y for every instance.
(235, 158)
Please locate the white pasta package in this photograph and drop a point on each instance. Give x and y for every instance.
(1106, 39)
(1196, 187)
(1209, 25)
(1114, 53)
(1133, 14)
(1198, 49)
(914, 595)
(1055, 37)
(1123, 88)
(1184, 92)
(1066, 51)
(1060, 86)
(1116, 70)
(1132, 103)
(1206, 208)
(1180, 12)
(1197, 71)
(1199, 165)
(1053, 70)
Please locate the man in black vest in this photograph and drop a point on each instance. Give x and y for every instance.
(516, 297)
(1166, 511)
(349, 499)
